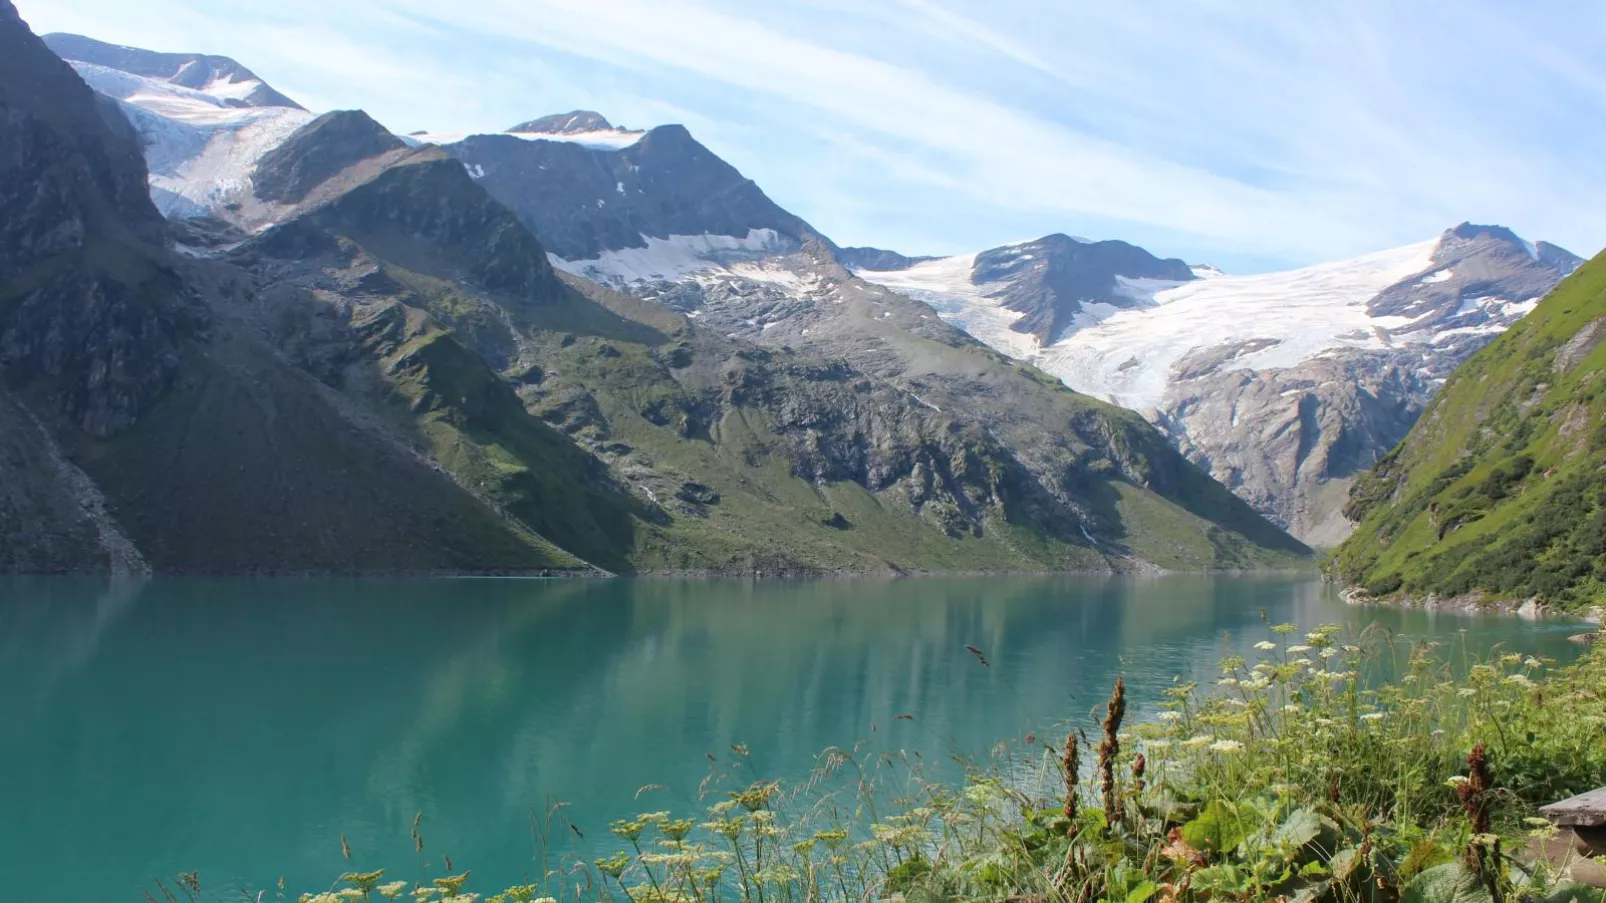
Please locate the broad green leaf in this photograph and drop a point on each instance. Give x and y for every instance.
(1142, 892)
(1304, 831)
(1219, 827)
(1448, 883)
(1568, 892)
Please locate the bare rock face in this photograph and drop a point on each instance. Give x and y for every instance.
(582, 201)
(94, 312)
(577, 122)
(1051, 280)
(317, 152)
(1292, 440)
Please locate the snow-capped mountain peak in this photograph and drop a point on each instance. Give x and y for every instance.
(1283, 384)
(200, 149)
(215, 76)
(576, 122)
(1024, 296)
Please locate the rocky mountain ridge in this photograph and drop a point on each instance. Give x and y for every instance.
(393, 358)
(1285, 385)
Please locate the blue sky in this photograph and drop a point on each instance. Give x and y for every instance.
(1249, 134)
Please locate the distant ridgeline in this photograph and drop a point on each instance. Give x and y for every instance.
(239, 337)
(1500, 489)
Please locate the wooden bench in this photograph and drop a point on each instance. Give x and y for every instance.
(1582, 821)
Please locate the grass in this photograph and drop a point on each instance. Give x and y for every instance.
(1498, 490)
(1302, 775)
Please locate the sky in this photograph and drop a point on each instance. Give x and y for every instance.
(1249, 134)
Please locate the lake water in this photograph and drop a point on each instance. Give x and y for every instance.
(242, 727)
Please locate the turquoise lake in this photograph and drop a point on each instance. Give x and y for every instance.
(240, 728)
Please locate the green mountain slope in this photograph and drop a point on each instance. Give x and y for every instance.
(629, 435)
(1501, 486)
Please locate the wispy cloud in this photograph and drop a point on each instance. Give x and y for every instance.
(1249, 132)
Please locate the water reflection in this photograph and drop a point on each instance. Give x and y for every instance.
(242, 727)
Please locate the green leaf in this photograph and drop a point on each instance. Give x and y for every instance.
(1568, 892)
(1219, 827)
(1301, 827)
(1448, 883)
(1314, 870)
(1142, 892)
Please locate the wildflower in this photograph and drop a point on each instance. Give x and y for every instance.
(1226, 746)
(1455, 781)
(630, 829)
(392, 890)
(1198, 742)
(728, 828)
(780, 874)
(1110, 749)
(1352, 650)
(1372, 716)
(1520, 680)
(1511, 658)
(1285, 628)
(1157, 745)
(451, 884)
(1298, 650)
(1531, 662)
(830, 838)
(755, 797)
(1170, 716)
(682, 859)
(677, 830)
(1228, 682)
(1291, 708)
(1466, 691)
(1265, 646)
(1301, 663)
(614, 865)
(1329, 652)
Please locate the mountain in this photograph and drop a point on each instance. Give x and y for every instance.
(201, 149)
(637, 431)
(215, 76)
(1499, 491)
(1041, 289)
(877, 259)
(627, 206)
(578, 122)
(664, 219)
(145, 426)
(1285, 385)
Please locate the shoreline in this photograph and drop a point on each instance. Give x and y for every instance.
(1482, 603)
(685, 574)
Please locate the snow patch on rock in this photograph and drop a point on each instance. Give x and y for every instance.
(678, 256)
